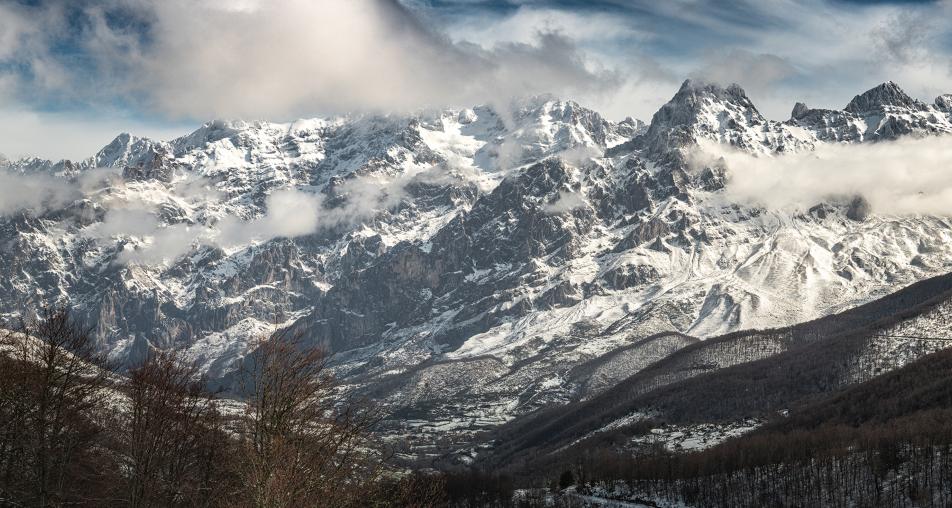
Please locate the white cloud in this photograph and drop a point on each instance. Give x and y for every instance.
(566, 202)
(288, 58)
(524, 25)
(16, 31)
(290, 213)
(287, 213)
(904, 177)
(127, 220)
(637, 84)
(34, 193)
(758, 72)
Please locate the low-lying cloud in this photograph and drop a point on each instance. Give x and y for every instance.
(35, 193)
(154, 232)
(904, 177)
(287, 213)
(566, 202)
(38, 191)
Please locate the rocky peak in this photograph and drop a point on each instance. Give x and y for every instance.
(799, 111)
(630, 127)
(692, 89)
(702, 103)
(886, 94)
(28, 165)
(944, 102)
(210, 132)
(702, 111)
(546, 108)
(125, 150)
(884, 112)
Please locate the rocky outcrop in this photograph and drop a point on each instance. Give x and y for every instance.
(644, 232)
(858, 210)
(799, 111)
(944, 103)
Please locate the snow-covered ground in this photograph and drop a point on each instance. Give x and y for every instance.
(686, 438)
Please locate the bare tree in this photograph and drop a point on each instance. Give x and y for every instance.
(414, 490)
(170, 436)
(55, 391)
(74, 432)
(300, 446)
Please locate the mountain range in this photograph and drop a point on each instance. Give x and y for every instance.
(471, 268)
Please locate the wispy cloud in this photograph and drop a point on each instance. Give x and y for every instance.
(34, 193)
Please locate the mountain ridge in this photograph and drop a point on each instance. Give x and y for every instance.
(464, 263)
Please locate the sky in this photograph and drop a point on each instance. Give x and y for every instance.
(75, 73)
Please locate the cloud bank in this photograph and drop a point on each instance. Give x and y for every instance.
(74, 73)
(277, 59)
(288, 213)
(904, 177)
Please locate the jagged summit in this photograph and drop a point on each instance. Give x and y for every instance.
(121, 142)
(543, 104)
(886, 94)
(701, 110)
(694, 92)
(697, 99)
(799, 110)
(882, 113)
(125, 150)
(218, 129)
(944, 102)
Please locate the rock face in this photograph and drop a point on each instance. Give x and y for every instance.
(466, 266)
(944, 102)
(799, 111)
(858, 210)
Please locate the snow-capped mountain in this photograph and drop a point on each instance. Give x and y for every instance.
(464, 266)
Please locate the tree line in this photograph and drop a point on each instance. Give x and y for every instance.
(905, 463)
(884, 442)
